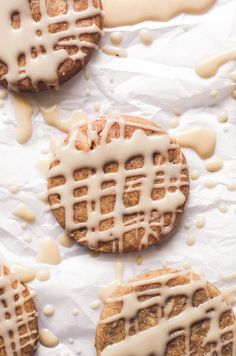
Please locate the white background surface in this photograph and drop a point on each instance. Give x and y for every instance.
(150, 83)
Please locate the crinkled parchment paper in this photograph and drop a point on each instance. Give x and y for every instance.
(150, 83)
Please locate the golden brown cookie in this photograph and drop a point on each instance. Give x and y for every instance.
(167, 313)
(18, 317)
(46, 42)
(118, 185)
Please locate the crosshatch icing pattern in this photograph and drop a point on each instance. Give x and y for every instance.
(123, 181)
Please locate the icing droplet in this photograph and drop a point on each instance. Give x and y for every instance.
(96, 304)
(23, 113)
(187, 226)
(24, 274)
(139, 260)
(146, 37)
(75, 311)
(43, 197)
(45, 150)
(47, 338)
(49, 252)
(114, 51)
(174, 123)
(231, 187)
(191, 239)
(195, 174)
(187, 265)
(87, 92)
(210, 184)
(27, 238)
(66, 241)
(116, 38)
(223, 208)
(14, 189)
(177, 111)
(201, 139)
(223, 117)
(214, 93)
(200, 222)
(3, 94)
(70, 340)
(23, 226)
(24, 212)
(214, 164)
(48, 310)
(43, 275)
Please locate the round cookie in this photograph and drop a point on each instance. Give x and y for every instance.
(46, 42)
(118, 185)
(167, 313)
(18, 317)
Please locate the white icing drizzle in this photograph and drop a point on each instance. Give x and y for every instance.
(17, 41)
(123, 12)
(12, 298)
(119, 150)
(154, 340)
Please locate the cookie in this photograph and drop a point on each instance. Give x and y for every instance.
(46, 42)
(18, 317)
(118, 185)
(167, 313)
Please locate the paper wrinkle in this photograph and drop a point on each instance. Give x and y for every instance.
(149, 83)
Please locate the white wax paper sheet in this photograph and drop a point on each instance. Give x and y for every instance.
(149, 83)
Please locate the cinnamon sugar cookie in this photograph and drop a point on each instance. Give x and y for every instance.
(167, 313)
(118, 185)
(18, 317)
(44, 43)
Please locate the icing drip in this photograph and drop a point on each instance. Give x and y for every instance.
(25, 38)
(154, 340)
(147, 214)
(209, 67)
(47, 338)
(200, 139)
(15, 296)
(23, 113)
(123, 12)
